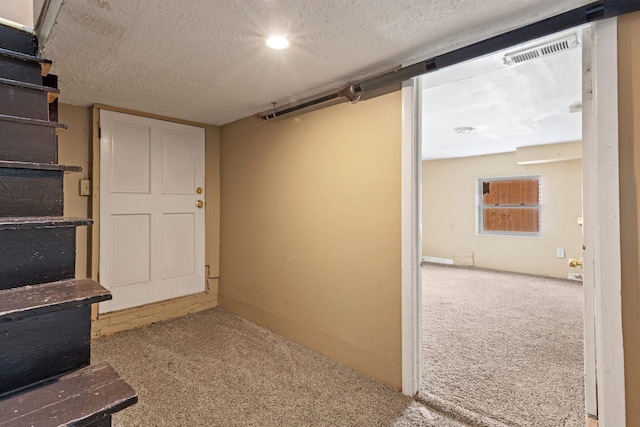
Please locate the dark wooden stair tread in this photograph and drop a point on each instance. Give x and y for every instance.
(16, 303)
(45, 64)
(13, 223)
(28, 85)
(45, 314)
(27, 121)
(79, 398)
(39, 166)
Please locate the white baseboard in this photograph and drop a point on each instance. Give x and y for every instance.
(437, 260)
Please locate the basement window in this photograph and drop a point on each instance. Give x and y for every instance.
(509, 206)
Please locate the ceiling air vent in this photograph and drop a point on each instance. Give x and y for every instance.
(542, 50)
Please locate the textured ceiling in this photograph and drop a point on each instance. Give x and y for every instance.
(509, 106)
(206, 61)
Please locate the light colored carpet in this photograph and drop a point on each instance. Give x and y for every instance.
(215, 369)
(503, 347)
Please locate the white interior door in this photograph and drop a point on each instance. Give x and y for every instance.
(151, 228)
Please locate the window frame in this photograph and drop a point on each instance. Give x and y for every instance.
(480, 206)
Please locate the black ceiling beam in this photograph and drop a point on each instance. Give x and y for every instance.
(592, 12)
(392, 81)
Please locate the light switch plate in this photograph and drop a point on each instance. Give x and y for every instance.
(560, 253)
(85, 187)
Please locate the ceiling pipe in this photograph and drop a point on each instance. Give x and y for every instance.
(392, 80)
(298, 106)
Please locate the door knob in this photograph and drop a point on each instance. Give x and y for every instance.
(575, 262)
(199, 204)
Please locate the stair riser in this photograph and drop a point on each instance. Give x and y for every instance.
(23, 102)
(18, 41)
(26, 192)
(27, 143)
(20, 70)
(40, 347)
(38, 255)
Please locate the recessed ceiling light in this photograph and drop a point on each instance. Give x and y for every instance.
(277, 42)
(464, 130)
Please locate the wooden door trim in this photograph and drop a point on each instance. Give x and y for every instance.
(148, 115)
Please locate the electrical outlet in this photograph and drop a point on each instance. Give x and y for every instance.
(560, 253)
(575, 276)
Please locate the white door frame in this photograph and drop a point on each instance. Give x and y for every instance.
(411, 237)
(601, 206)
(588, 283)
(601, 227)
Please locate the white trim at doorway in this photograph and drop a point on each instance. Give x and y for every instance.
(411, 238)
(601, 206)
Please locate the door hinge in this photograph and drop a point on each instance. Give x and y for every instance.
(99, 132)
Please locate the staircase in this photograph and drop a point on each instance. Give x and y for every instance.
(46, 378)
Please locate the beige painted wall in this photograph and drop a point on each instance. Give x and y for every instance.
(74, 149)
(212, 199)
(449, 212)
(311, 230)
(20, 11)
(629, 116)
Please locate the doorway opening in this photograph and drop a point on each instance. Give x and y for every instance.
(501, 201)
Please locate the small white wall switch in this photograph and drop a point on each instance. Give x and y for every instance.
(560, 253)
(85, 187)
